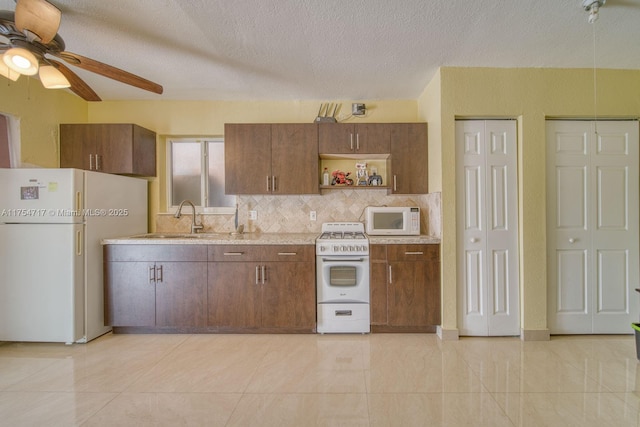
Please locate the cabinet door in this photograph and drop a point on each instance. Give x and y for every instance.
(372, 138)
(247, 158)
(143, 151)
(233, 294)
(378, 284)
(76, 144)
(409, 158)
(294, 158)
(414, 285)
(181, 294)
(336, 138)
(288, 295)
(130, 294)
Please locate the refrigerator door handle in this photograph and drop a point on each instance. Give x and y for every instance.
(78, 201)
(79, 242)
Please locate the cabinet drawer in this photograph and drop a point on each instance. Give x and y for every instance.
(415, 252)
(289, 253)
(238, 253)
(143, 253)
(261, 253)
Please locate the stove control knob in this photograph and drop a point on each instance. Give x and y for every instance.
(343, 248)
(352, 248)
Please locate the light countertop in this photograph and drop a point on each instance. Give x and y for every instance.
(252, 239)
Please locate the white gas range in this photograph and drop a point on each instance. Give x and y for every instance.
(342, 283)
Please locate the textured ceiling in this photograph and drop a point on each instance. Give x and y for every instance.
(333, 49)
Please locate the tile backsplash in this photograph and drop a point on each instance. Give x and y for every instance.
(290, 214)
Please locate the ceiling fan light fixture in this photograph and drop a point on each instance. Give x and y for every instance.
(7, 72)
(21, 61)
(52, 78)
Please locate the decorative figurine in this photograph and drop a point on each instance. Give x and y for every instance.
(361, 174)
(341, 178)
(375, 179)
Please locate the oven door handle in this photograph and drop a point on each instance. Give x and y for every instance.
(343, 260)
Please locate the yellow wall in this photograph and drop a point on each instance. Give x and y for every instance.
(40, 112)
(530, 96)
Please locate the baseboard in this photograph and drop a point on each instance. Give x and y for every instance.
(447, 334)
(535, 335)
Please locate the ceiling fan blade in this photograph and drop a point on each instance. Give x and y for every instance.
(78, 86)
(39, 17)
(109, 71)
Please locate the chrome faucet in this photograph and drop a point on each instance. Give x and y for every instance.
(194, 226)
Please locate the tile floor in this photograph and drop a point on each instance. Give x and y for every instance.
(321, 380)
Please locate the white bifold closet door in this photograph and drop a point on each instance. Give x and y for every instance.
(592, 226)
(487, 227)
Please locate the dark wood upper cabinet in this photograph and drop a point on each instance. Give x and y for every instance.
(350, 138)
(125, 149)
(271, 158)
(409, 158)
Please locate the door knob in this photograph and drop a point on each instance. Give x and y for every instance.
(473, 240)
(572, 240)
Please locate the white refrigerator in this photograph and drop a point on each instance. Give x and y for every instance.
(52, 222)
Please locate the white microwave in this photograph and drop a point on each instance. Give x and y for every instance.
(392, 221)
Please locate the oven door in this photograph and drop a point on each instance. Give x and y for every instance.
(342, 279)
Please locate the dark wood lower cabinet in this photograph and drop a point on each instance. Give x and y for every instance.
(405, 287)
(141, 292)
(262, 287)
(200, 288)
(181, 295)
(234, 295)
(130, 300)
(289, 295)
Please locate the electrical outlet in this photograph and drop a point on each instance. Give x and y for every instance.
(253, 215)
(312, 216)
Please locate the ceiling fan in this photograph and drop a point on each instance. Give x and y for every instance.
(29, 38)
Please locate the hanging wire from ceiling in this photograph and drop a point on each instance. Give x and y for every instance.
(595, 81)
(593, 7)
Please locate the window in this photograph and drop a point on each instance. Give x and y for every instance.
(9, 142)
(196, 173)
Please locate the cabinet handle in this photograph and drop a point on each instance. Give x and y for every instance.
(344, 312)
(264, 273)
(152, 274)
(257, 274)
(160, 276)
(233, 253)
(351, 138)
(414, 253)
(268, 183)
(273, 183)
(572, 240)
(287, 253)
(473, 240)
(390, 275)
(395, 183)
(97, 162)
(90, 162)
(357, 142)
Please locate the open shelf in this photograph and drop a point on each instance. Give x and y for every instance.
(347, 163)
